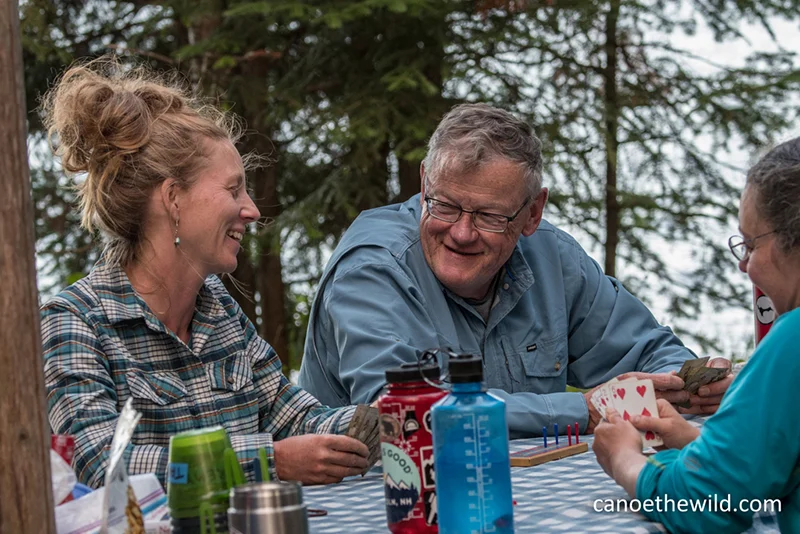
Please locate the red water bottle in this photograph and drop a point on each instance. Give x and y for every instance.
(764, 312)
(407, 448)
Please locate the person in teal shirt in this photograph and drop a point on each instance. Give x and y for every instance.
(749, 451)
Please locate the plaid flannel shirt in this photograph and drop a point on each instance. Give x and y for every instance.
(102, 345)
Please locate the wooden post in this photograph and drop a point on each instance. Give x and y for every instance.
(26, 497)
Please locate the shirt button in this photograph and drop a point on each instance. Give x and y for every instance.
(230, 380)
(505, 286)
(558, 366)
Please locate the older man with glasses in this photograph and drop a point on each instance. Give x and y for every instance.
(451, 268)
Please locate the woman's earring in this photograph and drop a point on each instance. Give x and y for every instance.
(177, 239)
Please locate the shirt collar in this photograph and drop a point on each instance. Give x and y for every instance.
(518, 270)
(117, 296)
(121, 302)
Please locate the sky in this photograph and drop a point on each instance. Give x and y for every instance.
(735, 327)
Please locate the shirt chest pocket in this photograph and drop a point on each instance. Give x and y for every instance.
(159, 387)
(545, 364)
(230, 374)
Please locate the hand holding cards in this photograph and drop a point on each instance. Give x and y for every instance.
(695, 375)
(364, 428)
(629, 397)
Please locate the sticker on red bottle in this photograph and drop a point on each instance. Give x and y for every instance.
(401, 482)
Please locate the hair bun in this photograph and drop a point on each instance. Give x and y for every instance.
(95, 121)
(158, 100)
(128, 130)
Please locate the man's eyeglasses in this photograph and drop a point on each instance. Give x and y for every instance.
(488, 222)
(741, 247)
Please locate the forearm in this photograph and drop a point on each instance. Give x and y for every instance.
(247, 448)
(528, 413)
(287, 410)
(626, 470)
(91, 461)
(333, 420)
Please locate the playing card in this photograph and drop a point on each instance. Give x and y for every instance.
(600, 400)
(695, 375)
(704, 376)
(636, 397)
(364, 427)
(689, 366)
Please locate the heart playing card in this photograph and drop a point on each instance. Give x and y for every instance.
(600, 400)
(636, 397)
(629, 397)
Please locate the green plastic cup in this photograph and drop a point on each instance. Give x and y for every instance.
(202, 470)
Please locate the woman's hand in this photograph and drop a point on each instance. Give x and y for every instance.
(319, 458)
(669, 424)
(618, 447)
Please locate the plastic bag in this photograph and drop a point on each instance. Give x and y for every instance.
(85, 515)
(121, 512)
(62, 477)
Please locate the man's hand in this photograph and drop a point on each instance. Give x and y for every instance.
(709, 396)
(319, 458)
(669, 424)
(667, 386)
(594, 415)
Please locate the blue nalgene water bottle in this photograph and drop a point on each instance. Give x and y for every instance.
(470, 455)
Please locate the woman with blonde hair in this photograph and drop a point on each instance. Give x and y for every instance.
(165, 187)
(748, 453)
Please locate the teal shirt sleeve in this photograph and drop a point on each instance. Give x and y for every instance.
(748, 450)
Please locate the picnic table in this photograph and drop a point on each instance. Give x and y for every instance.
(556, 496)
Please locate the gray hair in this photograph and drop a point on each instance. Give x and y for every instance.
(470, 135)
(776, 180)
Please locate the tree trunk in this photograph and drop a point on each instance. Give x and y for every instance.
(268, 270)
(612, 143)
(375, 192)
(408, 173)
(264, 275)
(436, 107)
(27, 496)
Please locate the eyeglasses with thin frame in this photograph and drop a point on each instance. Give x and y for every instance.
(488, 222)
(741, 247)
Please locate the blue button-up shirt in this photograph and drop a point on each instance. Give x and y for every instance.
(557, 320)
(102, 344)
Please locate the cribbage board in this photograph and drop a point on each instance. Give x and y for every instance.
(540, 454)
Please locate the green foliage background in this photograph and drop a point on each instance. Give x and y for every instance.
(342, 95)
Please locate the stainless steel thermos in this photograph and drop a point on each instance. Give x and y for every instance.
(267, 508)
